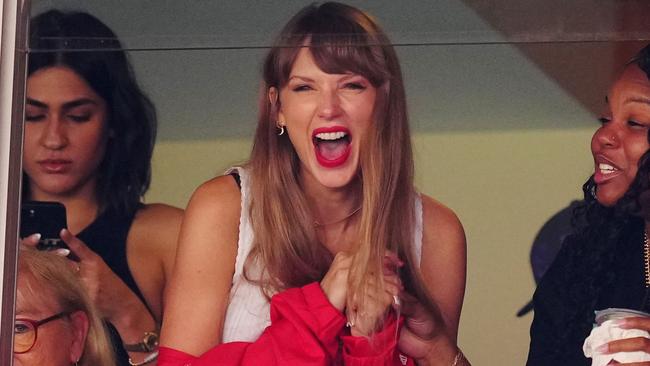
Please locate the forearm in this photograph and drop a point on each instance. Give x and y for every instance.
(443, 352)
(132, 319)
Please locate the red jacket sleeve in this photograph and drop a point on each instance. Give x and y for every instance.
(304, 330)
(379, 350)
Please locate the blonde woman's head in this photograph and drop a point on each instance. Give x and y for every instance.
(56, 324)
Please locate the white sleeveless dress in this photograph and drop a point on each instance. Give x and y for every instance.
(248, 309)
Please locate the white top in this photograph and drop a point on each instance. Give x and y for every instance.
(248, 309)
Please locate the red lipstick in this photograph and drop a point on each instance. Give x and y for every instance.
(333, 147)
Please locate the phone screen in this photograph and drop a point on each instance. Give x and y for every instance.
(45, 218)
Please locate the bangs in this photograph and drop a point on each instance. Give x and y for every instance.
(31, 295)
(341, 39)
(46, 280)
(345, 53)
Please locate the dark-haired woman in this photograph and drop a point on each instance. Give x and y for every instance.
(605, 264)
(89, 136)
(277, 256)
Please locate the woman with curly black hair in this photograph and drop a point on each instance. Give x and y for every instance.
(605, 263)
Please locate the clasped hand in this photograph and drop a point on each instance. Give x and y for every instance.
(362, 314)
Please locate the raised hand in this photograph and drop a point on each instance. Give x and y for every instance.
(335, 282)
(112, 297)
(365, 314)
(102, 284)
(363, 318)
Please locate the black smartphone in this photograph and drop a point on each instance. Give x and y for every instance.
(45, 218)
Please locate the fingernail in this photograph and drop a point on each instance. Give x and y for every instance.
(603, 348)
(36, 236)
(63, 252)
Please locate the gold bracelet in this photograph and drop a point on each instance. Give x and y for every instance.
(459, 356)
(149, 359)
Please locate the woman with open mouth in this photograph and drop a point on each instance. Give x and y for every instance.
(313, 251)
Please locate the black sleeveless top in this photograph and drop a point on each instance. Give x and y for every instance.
(106, 236)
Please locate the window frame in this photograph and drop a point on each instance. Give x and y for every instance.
(14, 20)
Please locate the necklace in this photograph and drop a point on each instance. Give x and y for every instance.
(646, 257)
(646, 270)
(352, 213)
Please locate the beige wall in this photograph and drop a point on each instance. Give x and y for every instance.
(503, 186)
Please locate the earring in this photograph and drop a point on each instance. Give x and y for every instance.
(281, 128)
(592, 190)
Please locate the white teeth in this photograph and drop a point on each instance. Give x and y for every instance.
(331, 136)
(606, 168)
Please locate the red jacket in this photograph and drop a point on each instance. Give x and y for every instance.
(305, 330)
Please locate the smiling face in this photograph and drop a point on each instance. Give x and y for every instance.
(65, 134)
(623, 137)
(326, 116)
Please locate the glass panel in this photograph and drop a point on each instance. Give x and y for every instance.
(503, 97)
(252, 24)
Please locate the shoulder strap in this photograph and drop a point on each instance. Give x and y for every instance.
(237, 178)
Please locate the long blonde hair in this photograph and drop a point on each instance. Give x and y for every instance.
(46, 274)
(341, 39)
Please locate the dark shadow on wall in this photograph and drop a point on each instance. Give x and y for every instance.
(547, 244)
(581, 44)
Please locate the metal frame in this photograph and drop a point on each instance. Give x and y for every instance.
(14, 20)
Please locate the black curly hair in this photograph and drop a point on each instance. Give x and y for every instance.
(596, 241)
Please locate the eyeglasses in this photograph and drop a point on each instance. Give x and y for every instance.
(25, 331)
